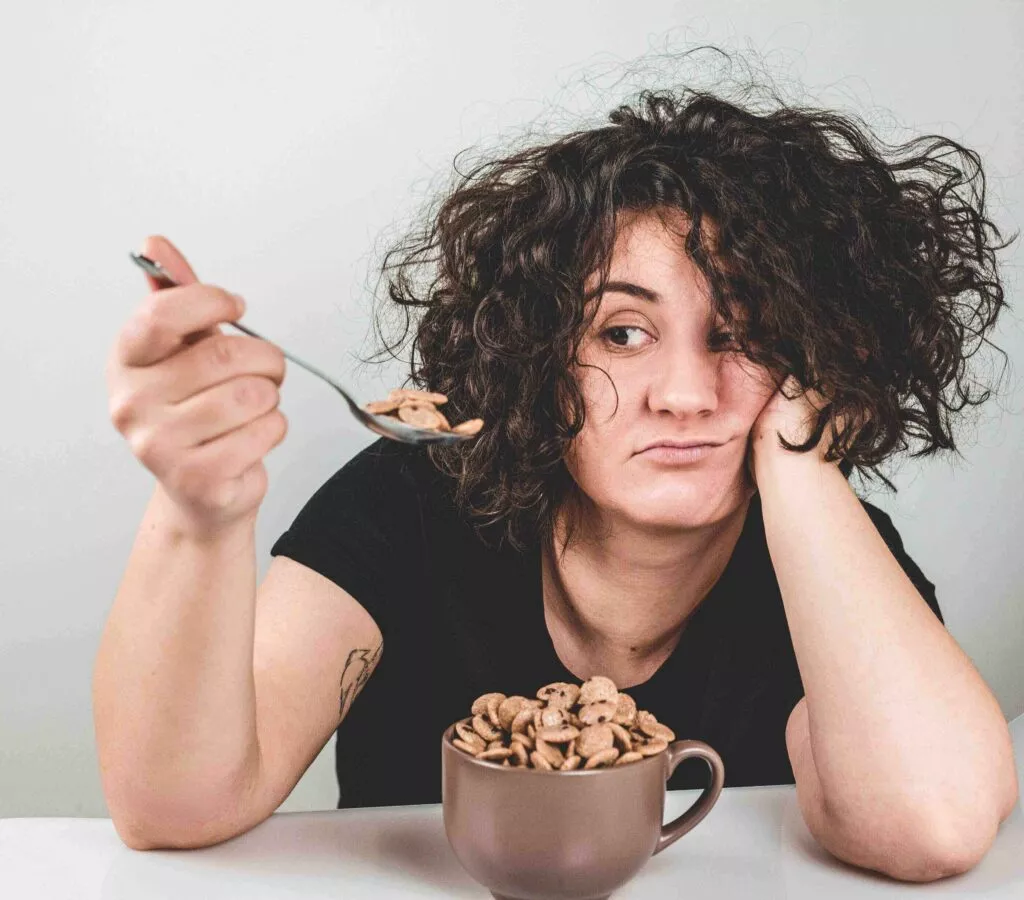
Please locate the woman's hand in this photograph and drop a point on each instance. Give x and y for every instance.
(794, 420)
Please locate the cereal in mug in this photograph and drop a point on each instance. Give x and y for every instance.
(566, 727)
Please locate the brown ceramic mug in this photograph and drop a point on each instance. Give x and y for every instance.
(529, 834)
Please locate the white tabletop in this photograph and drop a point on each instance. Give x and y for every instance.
(753, 844)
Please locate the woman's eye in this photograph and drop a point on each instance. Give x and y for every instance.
(618, 336)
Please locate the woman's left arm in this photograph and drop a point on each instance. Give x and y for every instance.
(902, 757)
(901, 754)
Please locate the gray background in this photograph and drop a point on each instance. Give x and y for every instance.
(282, 146)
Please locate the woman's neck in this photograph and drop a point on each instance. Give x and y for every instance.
(617, 601)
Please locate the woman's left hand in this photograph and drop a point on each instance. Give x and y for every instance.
(794, 420)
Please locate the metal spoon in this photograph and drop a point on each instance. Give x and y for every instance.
(382, 425)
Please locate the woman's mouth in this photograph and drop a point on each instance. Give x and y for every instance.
(663, 453)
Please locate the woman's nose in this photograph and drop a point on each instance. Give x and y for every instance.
(685, 382)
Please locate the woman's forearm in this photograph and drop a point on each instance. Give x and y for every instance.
(901, 727)
(173, 694)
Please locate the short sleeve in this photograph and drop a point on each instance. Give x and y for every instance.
(359, 529)
(895, 544)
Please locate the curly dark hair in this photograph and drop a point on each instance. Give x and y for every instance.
(871, 280)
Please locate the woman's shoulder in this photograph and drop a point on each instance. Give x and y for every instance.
(380, 506)
(388, 469)
(385, 457)
(386, 486)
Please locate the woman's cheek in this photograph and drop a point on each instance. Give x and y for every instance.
(599, 396)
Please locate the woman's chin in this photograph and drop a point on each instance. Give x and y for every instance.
(684, 510)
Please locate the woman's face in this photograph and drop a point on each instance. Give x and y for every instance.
(673, 384)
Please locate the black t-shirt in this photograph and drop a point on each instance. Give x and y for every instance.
(460, 619)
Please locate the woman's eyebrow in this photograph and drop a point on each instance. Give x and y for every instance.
(626, 287)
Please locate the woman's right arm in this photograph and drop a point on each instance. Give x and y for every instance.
(210, 698)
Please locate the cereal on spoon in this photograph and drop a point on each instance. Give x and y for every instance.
(566, 726)
(419, 409)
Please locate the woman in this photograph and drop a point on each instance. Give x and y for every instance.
(764, 286)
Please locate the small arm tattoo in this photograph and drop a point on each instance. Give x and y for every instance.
(358, 668)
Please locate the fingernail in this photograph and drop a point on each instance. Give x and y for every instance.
(239, 303)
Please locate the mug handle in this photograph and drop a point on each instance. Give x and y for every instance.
(677, 752)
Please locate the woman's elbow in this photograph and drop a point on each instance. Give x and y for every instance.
(165, 836)
(955, 842)
(164, 825)
(137, 839)
(938, 847)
